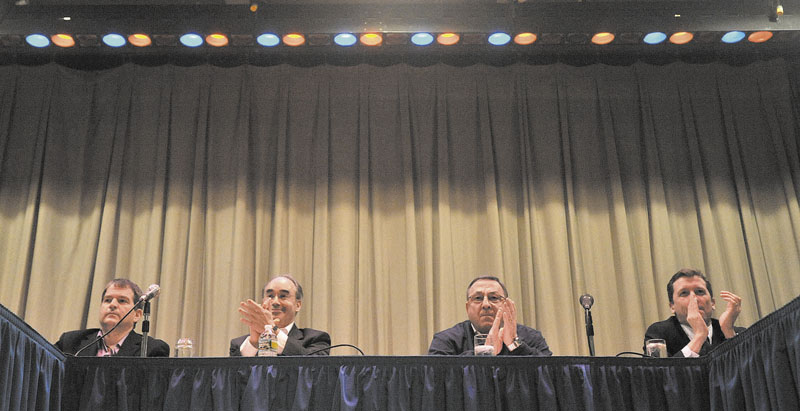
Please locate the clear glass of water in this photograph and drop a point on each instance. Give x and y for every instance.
(656, 348)
(184, 347)
(483, 345)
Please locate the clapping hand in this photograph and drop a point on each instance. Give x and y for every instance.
(504, 327)
(732, 311)
(509, 331)
(495, 338)
(256, 316)
(695, 318)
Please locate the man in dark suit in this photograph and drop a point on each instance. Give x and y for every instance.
(119, 296)
(282, 298)
(490, 312)
(691, 332)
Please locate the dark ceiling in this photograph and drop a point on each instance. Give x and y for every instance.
(563, 26)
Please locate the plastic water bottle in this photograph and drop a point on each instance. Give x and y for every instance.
(268, 342)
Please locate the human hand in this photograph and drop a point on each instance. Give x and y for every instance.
(256, 317)
(509, 322)
(495, 338)
(695, 319)
(732, 311)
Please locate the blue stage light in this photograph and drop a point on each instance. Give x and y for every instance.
(191, 40)
(422, 39)
(268, 40)
(655, 37)
(345, 39)
(733, 37)
(37, 40)
(499, 39)
(114, 40)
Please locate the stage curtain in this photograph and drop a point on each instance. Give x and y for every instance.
(385, 189)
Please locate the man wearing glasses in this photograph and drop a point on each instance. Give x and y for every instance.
(491, 312)
(281, 300)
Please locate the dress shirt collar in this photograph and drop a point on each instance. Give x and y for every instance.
(287, 328)
(105, 350)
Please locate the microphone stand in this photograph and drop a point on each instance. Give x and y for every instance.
(589, 330)
(145, 328)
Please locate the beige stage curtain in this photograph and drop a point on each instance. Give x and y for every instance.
(385, 190)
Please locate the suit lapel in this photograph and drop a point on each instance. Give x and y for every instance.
(131, 347)
(469, 344)
(718, 336)
(87, 339)
(295, 333)
(680, 335)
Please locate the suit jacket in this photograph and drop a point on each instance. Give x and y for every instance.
(300, 341)
(72, 341)
(459, 340)
(670, 330)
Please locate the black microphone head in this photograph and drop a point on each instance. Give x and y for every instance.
(586, 301)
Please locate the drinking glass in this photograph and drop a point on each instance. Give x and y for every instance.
(483, 345)
(656, 348)
(184, 347)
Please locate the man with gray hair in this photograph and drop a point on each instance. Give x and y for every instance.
(282, 299)
(491, 312)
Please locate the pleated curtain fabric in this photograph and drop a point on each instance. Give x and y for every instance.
(385, 189)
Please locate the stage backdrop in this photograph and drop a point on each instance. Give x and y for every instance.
(384, 190)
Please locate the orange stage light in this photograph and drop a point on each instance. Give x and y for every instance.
(759, 36)
(63, 40)
(140, 40)
(217, 40)
(523, 39)
(371, 39)
(294, 39)
(448, 39)
(681, 37)
(603, 38)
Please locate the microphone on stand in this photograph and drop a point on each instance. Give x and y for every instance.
(586, 302)
(152, 292)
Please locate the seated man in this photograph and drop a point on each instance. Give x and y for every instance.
(491, 312)
(691, 331)
(119, 296)
(282, 298)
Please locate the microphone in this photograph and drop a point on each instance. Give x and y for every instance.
(586, 301)
(152, 292)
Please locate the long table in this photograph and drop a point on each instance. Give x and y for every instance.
(386, 383)
(757, 370)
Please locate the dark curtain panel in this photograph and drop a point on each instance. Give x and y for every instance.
(760, 369)
(31, 370)
(386, 384)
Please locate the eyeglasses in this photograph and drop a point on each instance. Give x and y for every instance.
(494, 299)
